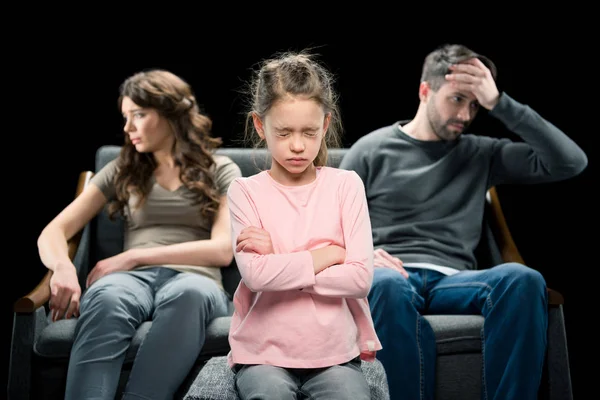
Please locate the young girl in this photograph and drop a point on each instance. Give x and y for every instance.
(302, 242)
(171, 190)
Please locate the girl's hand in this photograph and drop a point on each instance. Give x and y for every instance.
(253, 239)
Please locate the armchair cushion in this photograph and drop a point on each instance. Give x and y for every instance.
(454, 333)
(216, 381)
(457, 334)
(56, 339)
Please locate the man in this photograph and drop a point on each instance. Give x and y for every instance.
(426, 183)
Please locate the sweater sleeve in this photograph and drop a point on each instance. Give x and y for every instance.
(353, 278)
(265, 272)
(355, 158)
(547, 154)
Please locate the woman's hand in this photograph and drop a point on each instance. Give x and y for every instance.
(121, 262)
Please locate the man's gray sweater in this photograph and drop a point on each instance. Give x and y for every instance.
(426, 198)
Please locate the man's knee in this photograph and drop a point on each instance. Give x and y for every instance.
(389, 280)
(391, 286)
(523, 277)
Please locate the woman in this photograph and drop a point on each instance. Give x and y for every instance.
(171, 190)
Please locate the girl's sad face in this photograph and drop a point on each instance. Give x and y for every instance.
(294, 129)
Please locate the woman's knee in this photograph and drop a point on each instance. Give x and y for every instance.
(115, 296)
(189, 292)
(107, 295)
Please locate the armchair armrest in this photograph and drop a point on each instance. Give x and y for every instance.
(41, 293)
(508, 248)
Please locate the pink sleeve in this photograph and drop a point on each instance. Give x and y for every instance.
(268, 272)
(353, 278)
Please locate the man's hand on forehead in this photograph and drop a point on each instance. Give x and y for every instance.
(473, 76)
(472, 66)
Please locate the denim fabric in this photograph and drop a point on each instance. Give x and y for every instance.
(513, 301)
(180, 306)
(338, 382)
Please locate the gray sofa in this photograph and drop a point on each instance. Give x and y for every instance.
(40, 349)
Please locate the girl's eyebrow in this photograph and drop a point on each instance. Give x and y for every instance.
(304, 128)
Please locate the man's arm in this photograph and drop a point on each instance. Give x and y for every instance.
(546, 155)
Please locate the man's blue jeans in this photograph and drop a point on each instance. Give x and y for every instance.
(511, 297)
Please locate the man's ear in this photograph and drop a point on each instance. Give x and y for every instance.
(424, 91)
(258, 125)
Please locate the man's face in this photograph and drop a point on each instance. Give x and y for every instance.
(450, 111)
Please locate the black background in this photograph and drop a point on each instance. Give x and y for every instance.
(62, 84)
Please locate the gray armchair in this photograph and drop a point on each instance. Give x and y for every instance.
(40, 348)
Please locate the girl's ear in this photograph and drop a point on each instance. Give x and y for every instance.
(326, 122)
(258, 125)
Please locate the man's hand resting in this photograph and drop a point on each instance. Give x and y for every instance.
(383, 259)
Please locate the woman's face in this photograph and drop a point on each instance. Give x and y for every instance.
(147, 130)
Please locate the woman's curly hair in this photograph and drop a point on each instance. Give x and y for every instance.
(173, 99)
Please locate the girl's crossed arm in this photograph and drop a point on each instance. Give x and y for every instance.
(352, 276)
(260, 269)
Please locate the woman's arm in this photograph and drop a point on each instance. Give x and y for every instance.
(213, 252)
(53, 249)
(52, 242)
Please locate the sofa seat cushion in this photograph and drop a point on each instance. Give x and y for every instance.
(457, 333)
(56, 339)
(216, 381)
(454, 334)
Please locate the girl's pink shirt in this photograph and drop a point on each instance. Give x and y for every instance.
(285, 315)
